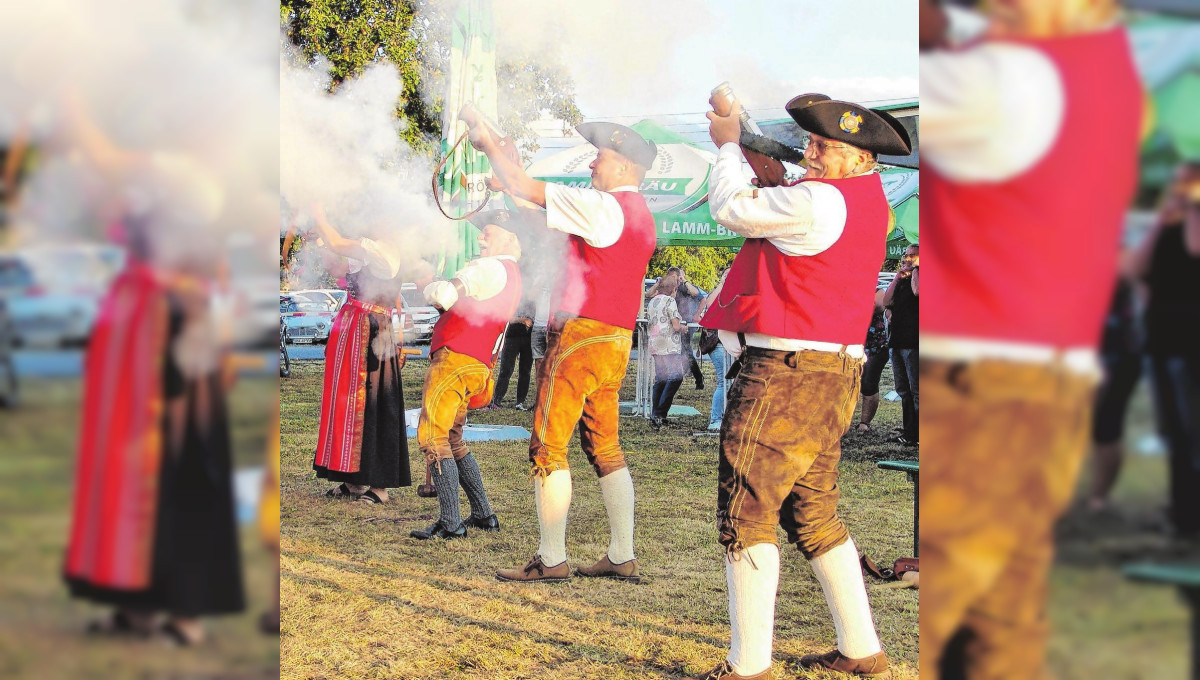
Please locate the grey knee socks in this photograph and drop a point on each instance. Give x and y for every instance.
(471, 479)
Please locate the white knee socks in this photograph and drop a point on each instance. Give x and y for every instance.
(752, 579)
(842, 580)
(552, 497)
(617, 488)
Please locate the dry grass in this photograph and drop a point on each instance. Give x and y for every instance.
(362, 600)
(40, 626)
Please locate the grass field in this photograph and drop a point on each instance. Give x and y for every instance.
(1104, 625)
(362, 600)
(40, 627)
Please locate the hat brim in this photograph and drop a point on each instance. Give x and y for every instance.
(621, 139)
(870, 129)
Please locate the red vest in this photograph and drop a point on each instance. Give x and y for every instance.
(827, 297)
(476, 327)
(605, 284)
(1032, 259)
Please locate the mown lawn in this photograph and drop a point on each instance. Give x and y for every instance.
(41, 629)
(362, 600)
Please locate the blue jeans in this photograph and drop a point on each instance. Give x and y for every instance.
(1176, 387)
(904, 372)
(720, 362)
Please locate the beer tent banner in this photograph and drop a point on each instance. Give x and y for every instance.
(676, 190)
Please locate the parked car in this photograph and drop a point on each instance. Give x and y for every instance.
(53, 292)
(308, 318)
(418, 315)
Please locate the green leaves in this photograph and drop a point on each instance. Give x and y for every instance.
(414, 35)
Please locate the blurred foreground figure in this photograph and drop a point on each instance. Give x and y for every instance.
(153, 528)
(1029, 164)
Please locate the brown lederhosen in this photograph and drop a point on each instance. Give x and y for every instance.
(449, 383)
(578, 383)
(1002, 444)
(780, 447)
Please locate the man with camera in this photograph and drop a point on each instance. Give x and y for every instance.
(901, 299)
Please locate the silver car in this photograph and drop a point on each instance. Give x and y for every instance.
(308, 318)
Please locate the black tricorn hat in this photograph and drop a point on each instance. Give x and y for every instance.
(621, 139)
(869, 129)
(520, 222)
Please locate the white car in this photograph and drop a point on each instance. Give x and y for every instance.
(419, 315)
(333, 297)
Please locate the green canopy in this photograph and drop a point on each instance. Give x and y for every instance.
(1167, 52)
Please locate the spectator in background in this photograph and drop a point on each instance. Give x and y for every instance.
(1169, 263)
(689, 297)
(719, 359)
(876, 347)
(1121, 354)
(666, 346)
(901, 298)
(517, 343)
(541, 318)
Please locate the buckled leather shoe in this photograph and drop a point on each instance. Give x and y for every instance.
(868, 666)
(537, 571)
(625, 571)
(439, 531)
(489, 523)
(725, 672)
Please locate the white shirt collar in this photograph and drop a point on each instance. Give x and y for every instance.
(627, 187)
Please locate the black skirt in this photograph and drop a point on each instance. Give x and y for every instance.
(196, 558)
(384, 463)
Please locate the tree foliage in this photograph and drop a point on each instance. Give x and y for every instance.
(702, 265)
(414, 35)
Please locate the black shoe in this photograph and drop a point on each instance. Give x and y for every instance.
(437, 531)
(700, 385)
(656, 422)
(489, 523)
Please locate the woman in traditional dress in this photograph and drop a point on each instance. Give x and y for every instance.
(153, 528)
(362, 442)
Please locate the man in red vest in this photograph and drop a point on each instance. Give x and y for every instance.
(1022, 144)
(476, 305)
(610, 238)
(794, 309)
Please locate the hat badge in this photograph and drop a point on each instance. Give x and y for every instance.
(851, 122)
(617, 138)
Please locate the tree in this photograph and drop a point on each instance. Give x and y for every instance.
(413, 35)
(702, 265)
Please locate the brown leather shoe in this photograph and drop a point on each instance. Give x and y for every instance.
(537, 571)
(876, 664)
(725, 672)
(625, 571)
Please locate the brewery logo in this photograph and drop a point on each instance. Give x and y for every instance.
(851, 122)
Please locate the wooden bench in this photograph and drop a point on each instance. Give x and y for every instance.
(1187, 578)
(912, 468)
